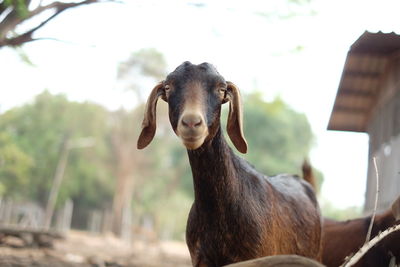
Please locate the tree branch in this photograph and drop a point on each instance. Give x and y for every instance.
(12, 20)
(376, 202)
(367, 246)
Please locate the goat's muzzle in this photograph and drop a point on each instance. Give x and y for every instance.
(192, 129)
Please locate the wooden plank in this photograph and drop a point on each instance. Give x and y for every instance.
(362, 74)
(338, 108)
(356, 92)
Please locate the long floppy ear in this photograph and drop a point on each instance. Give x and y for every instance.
(235, 118)
(149, 120)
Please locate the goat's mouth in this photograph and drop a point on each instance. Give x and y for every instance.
(193, 142)
(192, 130)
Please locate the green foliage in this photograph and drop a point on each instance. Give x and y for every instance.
(14, 167)
(38, 130)
(22, 8)
(19, 5)
(24, 56)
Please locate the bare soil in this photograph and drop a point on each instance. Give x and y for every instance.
(81, 249)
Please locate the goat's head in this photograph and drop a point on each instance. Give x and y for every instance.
(195, 94)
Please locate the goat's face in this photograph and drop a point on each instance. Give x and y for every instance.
(195, 94)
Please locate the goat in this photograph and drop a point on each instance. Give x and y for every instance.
(238, 213)
(344, 238)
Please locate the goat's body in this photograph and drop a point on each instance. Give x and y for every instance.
(240, 214)
(344, 238)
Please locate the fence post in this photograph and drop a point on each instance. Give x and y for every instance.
(126, 227)
(106, 226)
(95, 218)
(68, 211)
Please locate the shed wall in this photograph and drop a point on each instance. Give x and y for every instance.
(384, 144)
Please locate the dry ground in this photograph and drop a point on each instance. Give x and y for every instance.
(83, 249)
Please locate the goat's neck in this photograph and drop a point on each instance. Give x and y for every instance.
(215, 178)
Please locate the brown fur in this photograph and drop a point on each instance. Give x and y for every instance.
(238, 213)
(342, 239)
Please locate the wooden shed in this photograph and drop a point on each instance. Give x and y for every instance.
(368, 100)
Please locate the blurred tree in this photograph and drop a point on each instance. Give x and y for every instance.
(282, 139)
(15, 166)
(38, 130)
(129, 164)
(144, 67)
(15, 12)
(126, 161)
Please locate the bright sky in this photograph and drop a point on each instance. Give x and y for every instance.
(253, 51)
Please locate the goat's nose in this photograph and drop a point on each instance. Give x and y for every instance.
(192, 121)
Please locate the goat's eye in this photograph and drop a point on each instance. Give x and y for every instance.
(166, 93)
(222, 92)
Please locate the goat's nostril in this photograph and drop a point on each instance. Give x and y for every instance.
(192, 121)
(184, 123)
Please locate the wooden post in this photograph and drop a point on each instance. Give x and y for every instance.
(106, 226)
(7, 212)
(58, 176)
(94, 225)
(68, 210)
(64, 216)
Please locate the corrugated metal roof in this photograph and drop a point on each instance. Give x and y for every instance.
(360, 83)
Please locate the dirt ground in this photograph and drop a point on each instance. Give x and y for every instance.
(83, 249)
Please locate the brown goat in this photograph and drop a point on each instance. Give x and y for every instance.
(344, 238)
(238, 213)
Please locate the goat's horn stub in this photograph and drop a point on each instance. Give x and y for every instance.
(396, 209)
(235, 119)
(149, 120)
